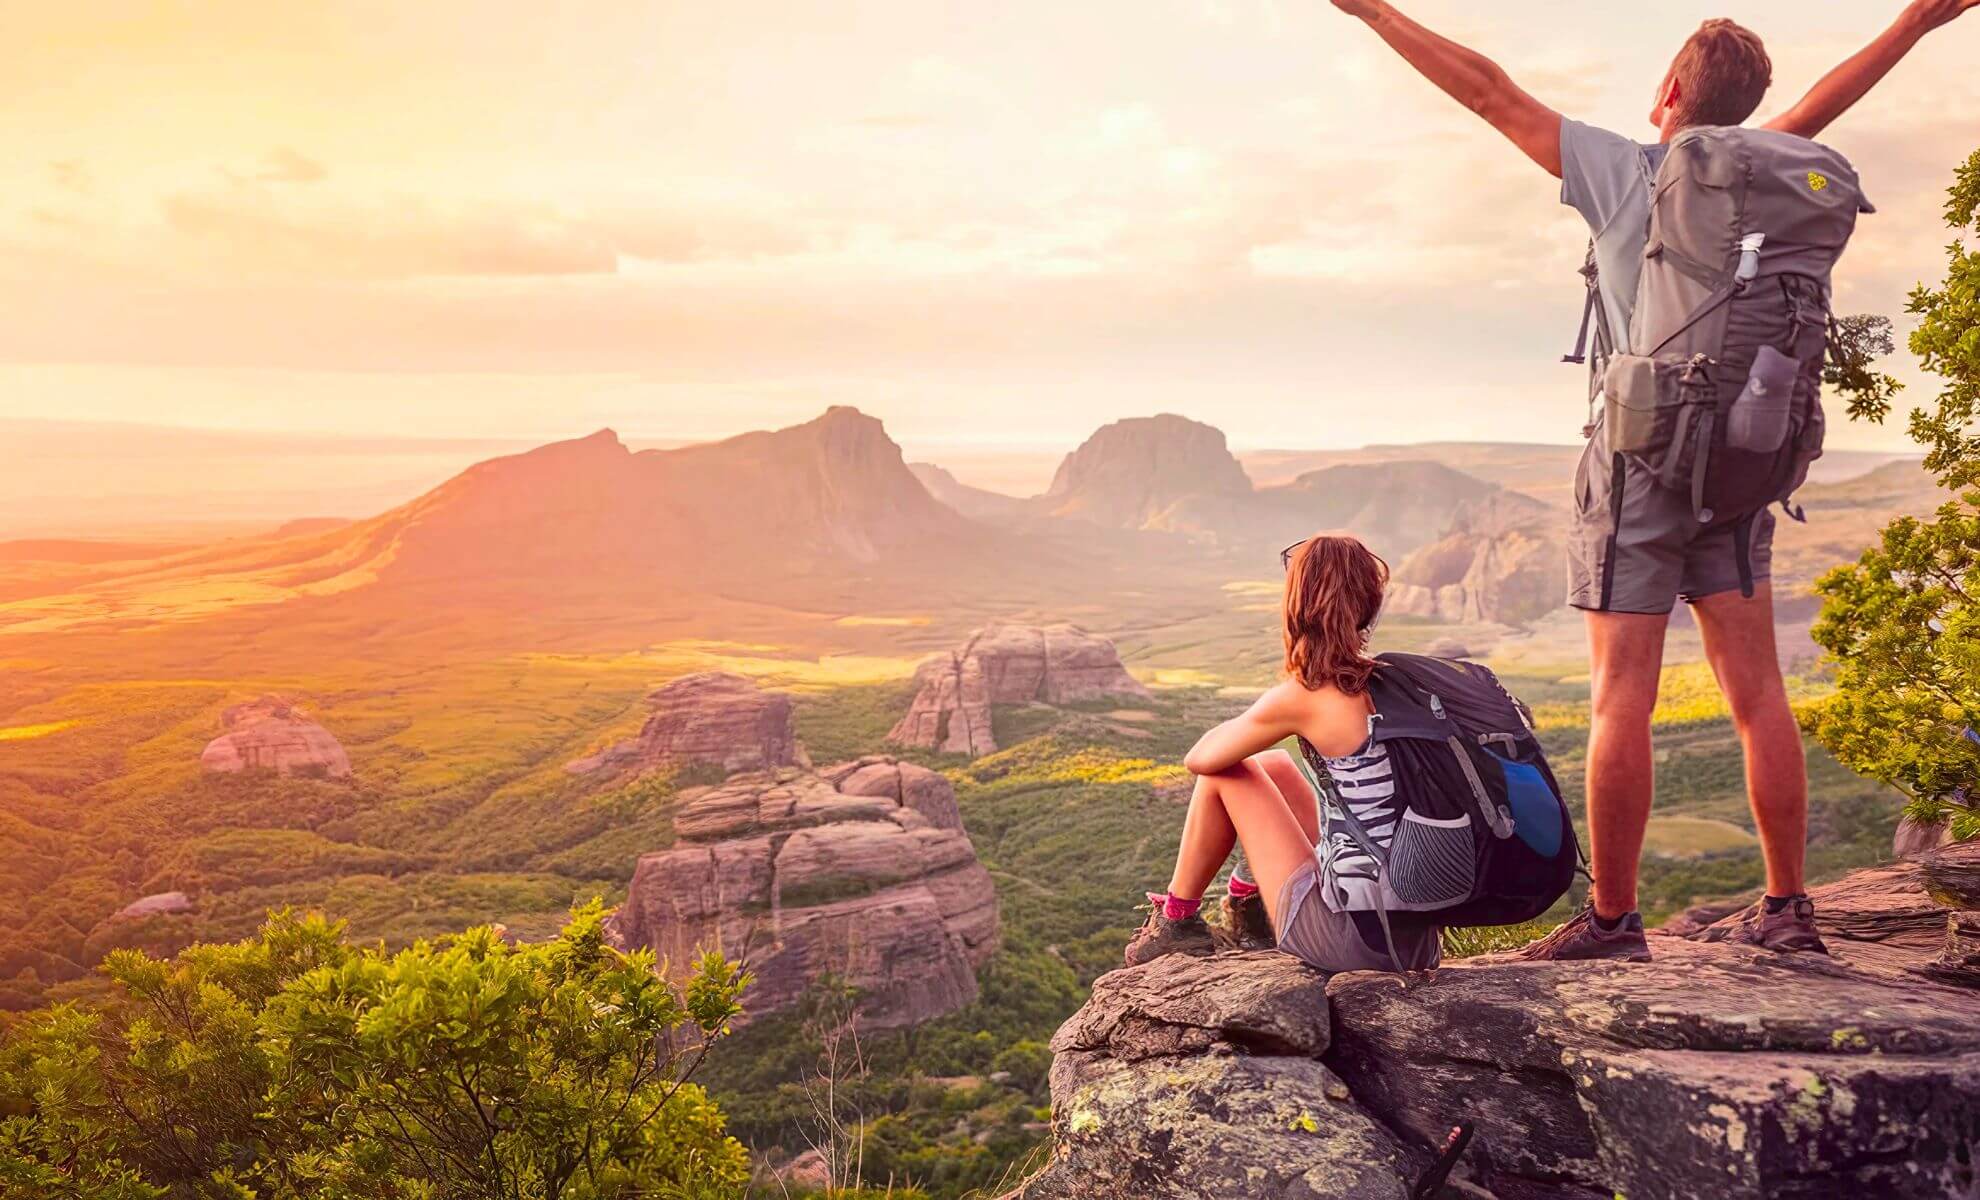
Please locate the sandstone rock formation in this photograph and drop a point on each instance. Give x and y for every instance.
(861, 871)
(1501, 562)
(1130, 471)
(272, 734)
(1713, 1071)
(1007, 664)
(711, 718)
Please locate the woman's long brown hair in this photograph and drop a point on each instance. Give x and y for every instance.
(1334, 591)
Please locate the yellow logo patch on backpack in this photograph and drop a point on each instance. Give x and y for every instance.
(1817, 181)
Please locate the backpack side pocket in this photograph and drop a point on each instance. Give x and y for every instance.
(1758, 420)
(1433, 862)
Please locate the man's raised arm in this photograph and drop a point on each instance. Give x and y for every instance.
(1833, 94)
(1471, 79)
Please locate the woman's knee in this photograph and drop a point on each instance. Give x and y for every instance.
(1247, 772)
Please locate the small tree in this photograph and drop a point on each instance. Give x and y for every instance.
(1903, 622)
(297, 1065)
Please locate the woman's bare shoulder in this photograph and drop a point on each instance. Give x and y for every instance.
(1334, 721)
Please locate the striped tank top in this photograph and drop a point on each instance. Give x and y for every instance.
(1367, 785)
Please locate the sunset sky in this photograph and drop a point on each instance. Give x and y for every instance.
(996, 223)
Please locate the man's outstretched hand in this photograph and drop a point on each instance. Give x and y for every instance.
(1835, 92)
(1470, 78)
(1933, 13)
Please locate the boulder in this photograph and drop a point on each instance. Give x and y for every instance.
(714, 719)
(1201, 1077)
(1712, 1071)
(862, 872)
(158, 904)
(1914, 838)
(1007, 664)
(274, 735)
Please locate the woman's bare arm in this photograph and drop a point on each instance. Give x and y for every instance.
(1271, 719)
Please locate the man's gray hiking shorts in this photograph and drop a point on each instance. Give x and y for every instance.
(1634, 545)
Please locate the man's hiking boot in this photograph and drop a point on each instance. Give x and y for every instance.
(1246, 926)
(1582, 938)
(1791, 930)
(1159, 935)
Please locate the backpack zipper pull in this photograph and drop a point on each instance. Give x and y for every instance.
(1437, 705)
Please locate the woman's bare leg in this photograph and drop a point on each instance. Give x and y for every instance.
(1296, 788)
(1244, 805)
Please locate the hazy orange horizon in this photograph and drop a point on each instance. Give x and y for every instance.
(999, 224)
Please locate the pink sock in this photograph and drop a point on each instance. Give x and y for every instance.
(1241, 889)
(1175, 908)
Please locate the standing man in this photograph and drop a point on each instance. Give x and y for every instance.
(1627, 576)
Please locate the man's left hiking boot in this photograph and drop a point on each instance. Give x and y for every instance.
(1159, 935)
(1789, 931)
(1246, 925)
(1583, 937)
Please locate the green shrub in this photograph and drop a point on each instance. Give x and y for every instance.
(295, 1064)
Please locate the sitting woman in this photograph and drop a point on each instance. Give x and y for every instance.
(1254, 797)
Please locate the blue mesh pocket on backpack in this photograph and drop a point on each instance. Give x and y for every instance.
(1536, 810)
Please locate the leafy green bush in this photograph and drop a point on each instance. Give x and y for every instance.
(295, 1064)
(1903, 622)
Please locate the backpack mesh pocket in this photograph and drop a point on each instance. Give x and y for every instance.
(1432, 862)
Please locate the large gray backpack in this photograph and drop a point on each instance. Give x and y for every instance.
(1719, 388)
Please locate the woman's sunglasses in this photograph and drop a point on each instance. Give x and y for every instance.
(1285, 556)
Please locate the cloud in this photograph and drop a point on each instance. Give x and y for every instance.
(71, 176)
(257, 232)
(892, 121)
(284, 165)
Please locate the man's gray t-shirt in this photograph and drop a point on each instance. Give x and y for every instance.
(1607, 179)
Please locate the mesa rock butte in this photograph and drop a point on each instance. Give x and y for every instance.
(272, 734)
(861, 872)
(1007, 664)
(1500, 562)
(713, 718)
(1714, 1071)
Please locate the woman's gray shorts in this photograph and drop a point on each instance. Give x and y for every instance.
(1329, 940)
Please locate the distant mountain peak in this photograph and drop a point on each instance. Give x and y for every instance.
(1130, 471)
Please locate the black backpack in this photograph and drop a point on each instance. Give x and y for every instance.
(1480, 833)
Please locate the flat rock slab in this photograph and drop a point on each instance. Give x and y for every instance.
(1712, 1071)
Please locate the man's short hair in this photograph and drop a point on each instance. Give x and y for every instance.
(1722, 73)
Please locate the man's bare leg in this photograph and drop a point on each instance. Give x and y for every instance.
(1626, 655)
(1739, 643)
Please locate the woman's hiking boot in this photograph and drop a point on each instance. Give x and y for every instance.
(1583, 936)
(1160, 935)
(1788, 929)
(1246, 925)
